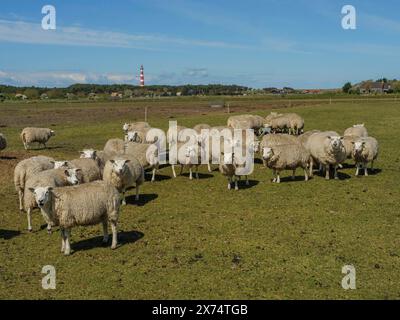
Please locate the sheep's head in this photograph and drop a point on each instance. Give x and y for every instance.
(88, 154)
(72, 175)
(60, 164)
(190, 153)
(336, 142)
(267, 153)
(358, 125)
(119, 166)
(42, 195)
(358, 146)
(228, 157)
(125, 127)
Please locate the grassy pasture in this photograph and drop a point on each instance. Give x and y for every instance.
(196, 239)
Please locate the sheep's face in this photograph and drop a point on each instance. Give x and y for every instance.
(359, 146)
(228, 158)
(72, 175)
(267, 153)
(119, 166)
(256, 146)
(42, 195)
(336, 142)
(190, 153)
(88, 154)
(60, 164)
(132, 136)
(125, 127)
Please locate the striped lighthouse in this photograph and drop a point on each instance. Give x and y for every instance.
(141, 76)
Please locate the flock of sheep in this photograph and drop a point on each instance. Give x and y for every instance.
(89, 190)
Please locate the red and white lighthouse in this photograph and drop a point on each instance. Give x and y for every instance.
(141, 76)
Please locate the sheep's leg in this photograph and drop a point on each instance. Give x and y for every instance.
(123, 202)
(153, 177)
(247, 181)
(278, 176)
(327, 172)
(137, 192)
(336, 172)
(365, 169)
(67, 235)
(190, 173)
(114, 234)
(274, 174)
(28, 214)
(236, 183)
(229, 183)
(173, 171)
(105, 231)
(294, 174)
(62, 240)
(48, 227)
(305, 175)
(311, 167)
(20, 196)
(357, 169)
(209, 167)
(197, 172)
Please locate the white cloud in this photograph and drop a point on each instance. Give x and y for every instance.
(26, 32)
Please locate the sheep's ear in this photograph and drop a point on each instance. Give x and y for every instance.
(353, 142)
(66, 173)
(341, 138)
(50, 188)
(78, 170)
(32, 190)
(52, 162)
(127, 161)
(112, 161)
(329, 137)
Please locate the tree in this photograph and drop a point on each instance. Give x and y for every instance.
(346, 88)
(32, 93)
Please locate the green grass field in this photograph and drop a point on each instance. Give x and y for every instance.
(197, 240)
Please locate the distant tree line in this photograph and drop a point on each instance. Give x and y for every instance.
(76, 91)
(382, 85)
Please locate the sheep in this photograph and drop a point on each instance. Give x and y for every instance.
(303, 138)
(200, 127)
(358, 130)
(135, 126)
(39, 135)
(278, 124)
(3, 142)
(82, 205)
(146, 153)
(271, 116)
(296, 123)
(348, 143)
(145, 135)
(327, 149)
(245, 121)
(365, 150)
(227, 167)
(171, 133)
(27, 168)
(54, 178)
(186, 155)
(286, 157)
(123, 173)
(88, 154)
(89, 169)
(272, 140)
(114, 147)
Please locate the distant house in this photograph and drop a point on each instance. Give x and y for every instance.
(21, 96)
(375, 87)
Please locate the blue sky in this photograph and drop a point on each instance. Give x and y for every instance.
(257, 43)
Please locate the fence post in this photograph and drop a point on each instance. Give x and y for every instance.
(145, 114)
(229, 110)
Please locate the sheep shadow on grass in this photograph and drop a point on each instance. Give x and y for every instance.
(144, 198)
(288, 179)
(8, 234)
(341, 175)
(201, 175)
(159, 177)
(252, 183)
(124, 237)
(7, 158)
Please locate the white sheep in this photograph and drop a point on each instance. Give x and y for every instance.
(146, 153)
(3, 142)
(114, 147)
(135, 126)
(272, 140)
(39, 135)
(188, 155)
(53, 178)
(365, 151)
(327, 149)
(303, 138)
(278, 124)
(227, 167)
(296, 123)
(89, 169)
(82, 205)
(27, 168)
(286, 157)
(123, 173)
(245, 121)
(201, 126)
(358, 130)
